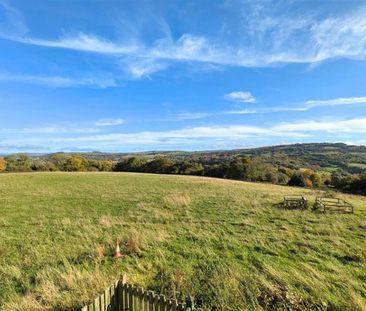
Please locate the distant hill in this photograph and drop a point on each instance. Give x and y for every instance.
(324, 156)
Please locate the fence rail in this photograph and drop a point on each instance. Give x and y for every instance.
(332, 205)
(122, 296)
(295, 202)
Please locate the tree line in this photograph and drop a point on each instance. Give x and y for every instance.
(236, 167)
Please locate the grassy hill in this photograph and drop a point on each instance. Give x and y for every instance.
(222, 241)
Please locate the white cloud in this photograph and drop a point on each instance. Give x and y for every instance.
(142, 67)
(357, 125)
(243, 111)
(55, 81)
(240, 97)
(266, 37)
(51, 129)
(336, 102)
(191, 115)
(83, 42)
(190, 137)
(109, 122)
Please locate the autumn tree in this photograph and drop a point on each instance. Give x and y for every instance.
(19, 163)
(2, 164)
(76, 163)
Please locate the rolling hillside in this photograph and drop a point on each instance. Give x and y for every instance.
(225, 242)
(328, 156)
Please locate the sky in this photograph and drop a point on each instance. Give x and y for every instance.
(127, 76)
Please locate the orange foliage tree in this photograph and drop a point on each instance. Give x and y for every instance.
(2, 164)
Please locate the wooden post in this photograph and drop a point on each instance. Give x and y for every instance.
(91, 307)
(151, 295)
(130, 298)
(102, 302)
(96, 304)
(156, 303)
(162, 303)
(145, 300)
(174, 304)
(190, 303)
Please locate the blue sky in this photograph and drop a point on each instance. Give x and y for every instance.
(180, 75)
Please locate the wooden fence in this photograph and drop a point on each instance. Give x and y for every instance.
(332, 205)
(295, 202)
(122, 296)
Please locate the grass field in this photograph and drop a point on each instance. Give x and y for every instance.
(222, 241)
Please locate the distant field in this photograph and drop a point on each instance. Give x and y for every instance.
(222, 241)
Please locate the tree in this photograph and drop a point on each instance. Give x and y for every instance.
(102, 166)
(3, 164)
(19, 163)
(189, 168)
(133, 164)
(160, 165)
(58, 160)
(297, 180)
(237, 168)
(76, 164)
(43, 165)
(358, 185)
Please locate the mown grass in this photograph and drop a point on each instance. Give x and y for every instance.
(222, 241)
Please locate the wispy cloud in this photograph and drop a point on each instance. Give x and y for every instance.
(139, 68)
(242, 111)
(269, 39)
(51, 129)
(228, 135)
(336, 102)
(13, 23)
(240, 97)
(303, 107)
(191, 115)
(109, 122)
(55, 81)
(83, 42)
(357, 125)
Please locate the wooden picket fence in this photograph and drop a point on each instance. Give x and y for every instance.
(122, 296)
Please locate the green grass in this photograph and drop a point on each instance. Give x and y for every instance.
(222, 241)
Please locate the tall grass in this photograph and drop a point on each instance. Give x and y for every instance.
(223, 242)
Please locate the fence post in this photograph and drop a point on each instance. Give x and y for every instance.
(151, 295)
(130, 298)
(102, 302)
(174, 304)
(96, 304)
(162, 303)
(190, 303)
(145, 300)
(156, 303)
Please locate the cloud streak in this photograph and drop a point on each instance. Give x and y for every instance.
(55, 81)
(82, 42)
(191, 115)
(335, 102)
(109, 122)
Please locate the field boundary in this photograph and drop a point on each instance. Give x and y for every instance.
(122, 296)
